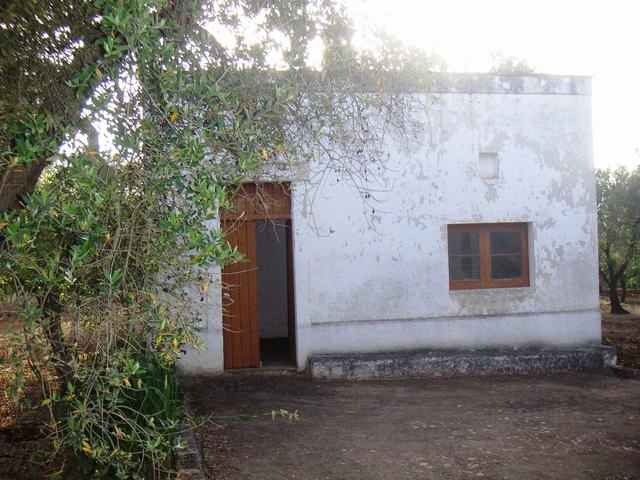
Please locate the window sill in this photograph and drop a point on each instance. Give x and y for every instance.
(476, 291)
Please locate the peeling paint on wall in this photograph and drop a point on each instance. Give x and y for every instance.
(380, 280)
(546, 179)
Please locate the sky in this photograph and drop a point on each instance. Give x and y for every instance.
(595, 38)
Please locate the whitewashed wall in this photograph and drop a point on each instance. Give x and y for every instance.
(207, 307)
(379, 281)
(376, 278)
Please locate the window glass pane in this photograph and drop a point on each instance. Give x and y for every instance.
(505, 242)
(464, 267)
(506, 267)
(463, 243)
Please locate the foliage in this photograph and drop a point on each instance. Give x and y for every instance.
(618, 225)
(100, 257)
(503, 64)
(632, 274)
(44, 45)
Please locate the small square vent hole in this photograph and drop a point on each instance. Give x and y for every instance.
(488, 165)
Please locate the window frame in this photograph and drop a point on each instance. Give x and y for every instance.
(484, 231)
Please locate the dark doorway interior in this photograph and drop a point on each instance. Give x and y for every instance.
(272, 292)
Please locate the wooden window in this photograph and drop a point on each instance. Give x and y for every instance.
(489, 255)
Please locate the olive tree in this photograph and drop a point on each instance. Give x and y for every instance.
(618, 226)
(509, 65)
(102, 238)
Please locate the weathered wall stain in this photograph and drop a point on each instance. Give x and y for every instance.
(542, 135)
(379, 280)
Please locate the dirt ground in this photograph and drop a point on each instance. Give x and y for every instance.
(500, 428)
(623, 332)
(567, 426)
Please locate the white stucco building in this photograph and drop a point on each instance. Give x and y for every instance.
(484, 238)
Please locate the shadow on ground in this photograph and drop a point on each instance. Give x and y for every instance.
(531, 427)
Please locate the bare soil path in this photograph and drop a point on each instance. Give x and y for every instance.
(566, 426)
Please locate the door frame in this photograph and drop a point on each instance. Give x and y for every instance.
(291, 298)
(246, 211)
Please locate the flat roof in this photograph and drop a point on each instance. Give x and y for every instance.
(533, 84)
(436, 82)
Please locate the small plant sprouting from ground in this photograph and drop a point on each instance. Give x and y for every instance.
(198, 423)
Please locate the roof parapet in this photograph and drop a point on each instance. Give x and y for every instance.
(526, 84)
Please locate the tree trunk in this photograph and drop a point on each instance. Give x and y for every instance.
(612, 278)
(17, 182)
(52, 327)
(616, 306)
(623, 285)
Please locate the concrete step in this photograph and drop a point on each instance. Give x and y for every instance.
(447, 363)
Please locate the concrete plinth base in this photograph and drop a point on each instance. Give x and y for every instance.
(445, 363)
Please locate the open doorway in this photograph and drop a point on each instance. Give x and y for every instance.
(257, 296)
(273, 292)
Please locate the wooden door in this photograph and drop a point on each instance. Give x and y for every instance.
(239, 299)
